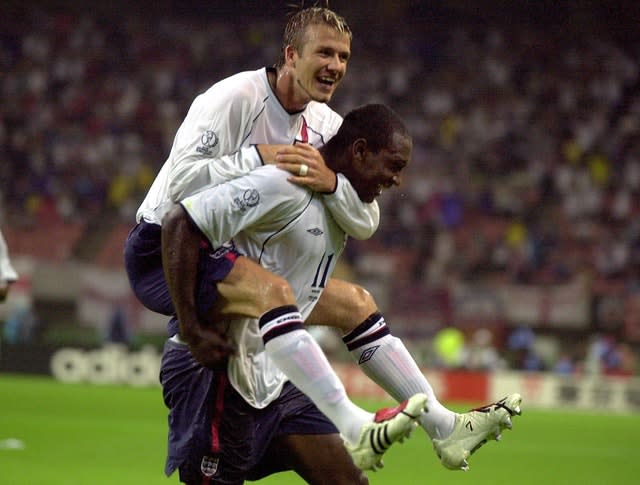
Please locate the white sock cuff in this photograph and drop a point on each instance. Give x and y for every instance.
(279, 321)
(372, 329)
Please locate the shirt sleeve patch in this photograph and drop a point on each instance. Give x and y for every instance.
(208, 142)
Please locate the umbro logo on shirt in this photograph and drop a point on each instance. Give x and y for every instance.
(316, 231)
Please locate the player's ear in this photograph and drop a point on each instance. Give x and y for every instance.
(359, 149)
(289, 55)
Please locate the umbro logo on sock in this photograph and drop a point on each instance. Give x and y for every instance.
(367, 354)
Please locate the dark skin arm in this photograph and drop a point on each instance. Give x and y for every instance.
(180, 253)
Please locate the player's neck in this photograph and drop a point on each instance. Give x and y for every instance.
(283, 84)
(334, 160)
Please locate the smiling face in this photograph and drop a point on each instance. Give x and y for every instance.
(372, 172)
(318, 66)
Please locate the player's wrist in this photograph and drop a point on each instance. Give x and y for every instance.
(332, 186)
(190, 332)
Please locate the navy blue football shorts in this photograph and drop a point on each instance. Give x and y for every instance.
(143, 263)
(215, 437)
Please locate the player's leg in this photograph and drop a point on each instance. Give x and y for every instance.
(320, 459)
(342, 305)
(210, 425)
(292, 434)
(308, 443)
(236, 285)
(143, 263)
(386, 360)
(249, 290)
(301, 359)
(381, 356)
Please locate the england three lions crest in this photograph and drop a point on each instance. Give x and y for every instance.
(209, 465)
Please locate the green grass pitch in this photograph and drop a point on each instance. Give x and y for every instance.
(81, 434)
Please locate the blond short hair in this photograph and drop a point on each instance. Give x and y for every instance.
(296, 28)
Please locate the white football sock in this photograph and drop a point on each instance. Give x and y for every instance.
(301, 359)
(386, 360)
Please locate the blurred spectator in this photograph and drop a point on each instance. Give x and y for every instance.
(521, 351)
(481, 354)
(118, 327)
(22, 324)
(608, 356)
(564, 365)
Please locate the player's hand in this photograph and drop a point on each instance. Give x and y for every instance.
(316, 176)
(210, 347)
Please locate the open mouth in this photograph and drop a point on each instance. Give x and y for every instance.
(327, 81)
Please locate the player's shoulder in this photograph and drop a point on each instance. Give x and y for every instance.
(254, 80)
(276, 176)
(242, 86)
(322, 119)
(275, 181)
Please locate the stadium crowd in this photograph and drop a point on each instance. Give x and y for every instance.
(526, 164)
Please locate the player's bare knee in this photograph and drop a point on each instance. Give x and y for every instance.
(362, 305)
(277, 292)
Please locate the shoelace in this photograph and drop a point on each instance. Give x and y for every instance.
(501, 404)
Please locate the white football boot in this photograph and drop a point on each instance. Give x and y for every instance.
(390, 425)
(473, 429)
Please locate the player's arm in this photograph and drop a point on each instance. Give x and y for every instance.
(7, 274)
(207, 149)
(180, 253)
(206, 153)
(358, 219)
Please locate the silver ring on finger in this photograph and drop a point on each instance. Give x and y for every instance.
(304, 169)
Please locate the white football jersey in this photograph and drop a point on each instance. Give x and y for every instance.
(215, 143)
(7, 273)
(290, 231)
